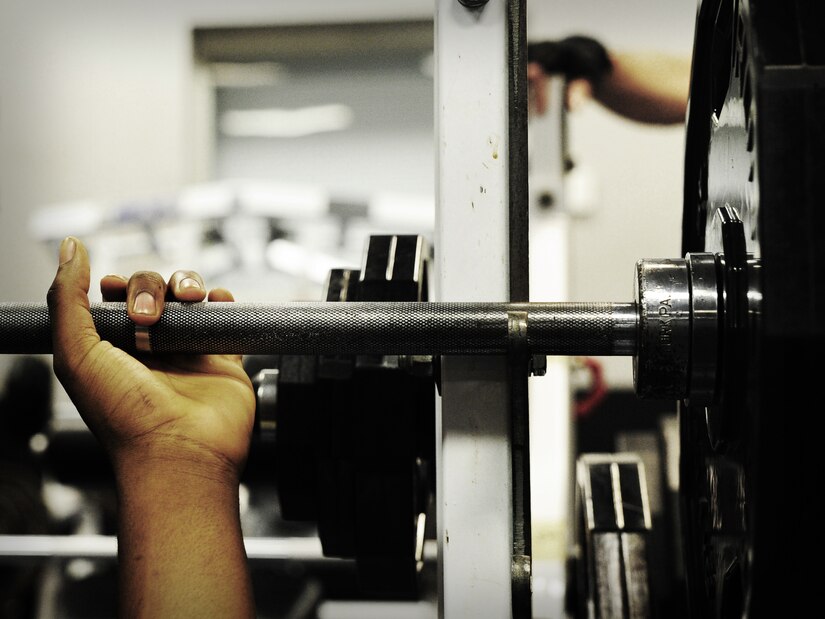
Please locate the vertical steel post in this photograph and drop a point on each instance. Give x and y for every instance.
(475, 247)
(519, 275)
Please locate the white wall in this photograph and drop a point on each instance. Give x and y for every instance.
(96, 99)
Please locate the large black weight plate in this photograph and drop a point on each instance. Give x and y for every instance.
(756, 143)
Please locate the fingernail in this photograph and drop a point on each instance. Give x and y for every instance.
(144, 303)
(67, 249)
(188, 283)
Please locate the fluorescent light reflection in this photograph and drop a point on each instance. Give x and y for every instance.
(247, 74)
(299, 261)
(284, 123)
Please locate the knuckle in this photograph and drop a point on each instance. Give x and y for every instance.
(146, 276)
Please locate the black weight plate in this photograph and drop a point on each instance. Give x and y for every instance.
(756, 143)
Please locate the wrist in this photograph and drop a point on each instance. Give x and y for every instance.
(158, 465)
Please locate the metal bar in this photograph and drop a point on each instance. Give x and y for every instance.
(518, 198)
(519, 258)
(345, 328)
(518, 188)
(15, 548)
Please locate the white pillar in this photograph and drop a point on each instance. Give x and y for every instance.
(474, 489)
(551, 440)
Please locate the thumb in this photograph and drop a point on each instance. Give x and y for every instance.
(73, 331)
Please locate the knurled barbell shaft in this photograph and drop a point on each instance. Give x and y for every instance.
(320, 328)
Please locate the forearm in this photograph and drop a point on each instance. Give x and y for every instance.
(177, 430)
(647, 87)
(180, 546)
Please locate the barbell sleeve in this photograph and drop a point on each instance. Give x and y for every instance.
(321, 328)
